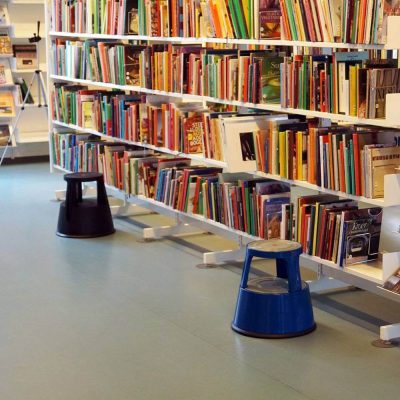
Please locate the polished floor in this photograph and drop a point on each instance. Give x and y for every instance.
(118, 319)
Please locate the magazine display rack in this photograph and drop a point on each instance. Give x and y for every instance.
(370, 276)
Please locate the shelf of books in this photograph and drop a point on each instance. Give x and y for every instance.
(226, 114)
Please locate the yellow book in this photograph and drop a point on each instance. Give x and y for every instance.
(87, 112)
(299, 21)
(225, 17)
(246, 8)
(282, 153)
(353, 84)
(221, 19)
(299, 155)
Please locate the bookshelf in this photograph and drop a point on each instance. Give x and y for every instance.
(369, 276)
(384, 123)
(30, 139)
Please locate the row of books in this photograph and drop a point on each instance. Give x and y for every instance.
(242, 19)
(94, 16)
(349, 159)
(347, 83)
(344, 21)
(332, 229)
(228, 74)
(185, 127)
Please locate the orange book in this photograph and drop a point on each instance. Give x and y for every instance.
(215, 18)
(104, 61)
(362, 15)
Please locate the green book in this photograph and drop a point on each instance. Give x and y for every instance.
(95, 5)
(292, 21)
(240, 18)
(234, 20)
(271, 79)
(346, 169)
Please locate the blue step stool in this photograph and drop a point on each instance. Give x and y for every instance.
(274, 307)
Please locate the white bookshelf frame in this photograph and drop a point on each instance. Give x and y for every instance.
(366, 276)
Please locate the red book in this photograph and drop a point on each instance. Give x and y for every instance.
(356, 153)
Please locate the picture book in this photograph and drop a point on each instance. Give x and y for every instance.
(7, 107)
(4, 135)
(269, 19)
(360, 235)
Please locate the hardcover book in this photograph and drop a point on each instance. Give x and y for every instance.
(4, 135)
(269, 19)
(360, 235)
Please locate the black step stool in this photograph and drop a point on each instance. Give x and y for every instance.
(84, 218)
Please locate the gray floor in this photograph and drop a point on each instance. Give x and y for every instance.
(114, 318)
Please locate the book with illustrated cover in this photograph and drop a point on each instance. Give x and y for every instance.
(5, 43)
(393, 283)
(7, 106)
(271, 79)
(4, 135)
(360, 234)
(269, 19)
(132, 17)
(193, 134)
(5, 73)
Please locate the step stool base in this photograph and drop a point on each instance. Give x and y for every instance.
(273, 336)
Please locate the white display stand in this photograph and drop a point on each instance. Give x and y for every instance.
(366, 276)
(31, 138)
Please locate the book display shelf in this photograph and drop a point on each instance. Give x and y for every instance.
(318, 106)
(19, 62)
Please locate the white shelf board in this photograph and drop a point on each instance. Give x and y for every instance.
(267, 107)
(34, 139)
(194, 157)
(187, 40)
(25, 2)
(30, 71)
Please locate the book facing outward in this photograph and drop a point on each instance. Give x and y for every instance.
(393, 283)
(4, 134)
(7, 106)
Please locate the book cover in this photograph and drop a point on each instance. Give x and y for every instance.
(361, 234)
(193, 131)
(270, 80)
(7, 107)
(4, 135)
(269, 19)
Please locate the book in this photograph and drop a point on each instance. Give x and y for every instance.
(5, 44)
(269, 19)
(7, 107)
(393, 283)
(25, 56)
(5, 73)
(4, 134)
(360, 235)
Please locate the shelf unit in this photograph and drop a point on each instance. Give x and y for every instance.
(368, 276)
(31, 138)
(384, 123)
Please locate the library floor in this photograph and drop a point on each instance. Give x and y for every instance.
(118, 319)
